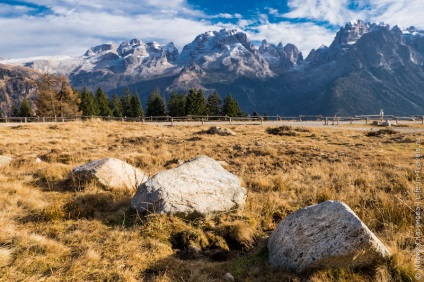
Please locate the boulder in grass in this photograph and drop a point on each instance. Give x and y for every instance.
(5, 160)
(326, 235)
(198, 187)
(111, 173)
(220, 131)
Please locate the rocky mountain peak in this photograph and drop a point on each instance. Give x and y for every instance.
(100, 49)
(280, 57)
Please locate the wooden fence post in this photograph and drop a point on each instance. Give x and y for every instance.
(26, 120)
(230, 120)
(262, 120)
(326, 121)
(172, 121)
(338, 119)
(203, 120)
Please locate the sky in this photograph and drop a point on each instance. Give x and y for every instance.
(69, 27)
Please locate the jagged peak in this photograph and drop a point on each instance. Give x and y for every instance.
(100, 49)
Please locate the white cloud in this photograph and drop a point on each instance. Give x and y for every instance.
(7, 10)
(338, 12)
(74, 33)
(332, 11)
(396, 12)
(305, 36)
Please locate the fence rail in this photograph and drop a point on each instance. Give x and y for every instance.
(224, 119)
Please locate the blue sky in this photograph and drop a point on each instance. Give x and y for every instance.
(69, 27)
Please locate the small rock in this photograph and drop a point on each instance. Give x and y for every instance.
(192, 252)
(327, 235)
(228, 277)
(386, 123)
(5, 160)
(220, 131)
(38, 160)
(198, 187)
(111, 174)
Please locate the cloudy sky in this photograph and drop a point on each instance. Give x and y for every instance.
(70, 27)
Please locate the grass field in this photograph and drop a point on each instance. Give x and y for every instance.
(52, 229)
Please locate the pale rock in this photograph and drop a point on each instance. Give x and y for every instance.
(198, 187)
(5, 160)
(228, 277)
(326, 235)
(221, 131)
(386, 123)
(111, 173)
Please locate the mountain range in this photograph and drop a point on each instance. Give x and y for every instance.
(368, 67)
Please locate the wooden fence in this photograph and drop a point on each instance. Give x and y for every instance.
(220, 119)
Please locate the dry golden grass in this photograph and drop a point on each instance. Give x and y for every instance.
(52, 229)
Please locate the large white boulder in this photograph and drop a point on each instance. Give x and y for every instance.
(198, 187)
(326, 235)
(111, 173)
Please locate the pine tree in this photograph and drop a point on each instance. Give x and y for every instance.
(136, 108)
(14, 112)
(155, 104)
(126, 102)
(255, 114)
(231, 107)
(214, 105)
(200, 103)
(25, 109)
(191, 107)
(102, 103)
(176, 105)
(265, 116)
(87, 105)
(116, 106)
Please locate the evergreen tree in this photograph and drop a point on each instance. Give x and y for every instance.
(176, 105)
(87, 105)
(14, 112)
(214, 105)
(126, 102)
(265, 116)
(25, 109)
(191, 107)
(155, 104)
(231, 107)
(255, 114)
(200, 103)
(116, 106)
(55, 97)
(136, 108)
(102, 103)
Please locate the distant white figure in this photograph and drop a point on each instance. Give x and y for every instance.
(381, 115)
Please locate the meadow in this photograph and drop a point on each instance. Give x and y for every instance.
(54, 229)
